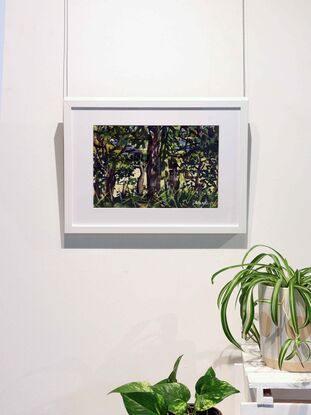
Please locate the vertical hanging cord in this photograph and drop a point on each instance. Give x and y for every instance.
(243, 48)
(65, 54)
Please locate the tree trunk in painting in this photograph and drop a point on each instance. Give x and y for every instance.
(110, 182)
(153, 161)
(97, 190)
(140, 181)
(173, 177)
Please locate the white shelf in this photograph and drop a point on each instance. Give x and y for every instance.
(261, 376)
(255, 380)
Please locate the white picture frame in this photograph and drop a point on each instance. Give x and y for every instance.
(81, 114)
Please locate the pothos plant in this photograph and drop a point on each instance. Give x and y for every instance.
(271, 269)
(171, 397)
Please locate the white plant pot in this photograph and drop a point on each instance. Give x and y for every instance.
(272, 337)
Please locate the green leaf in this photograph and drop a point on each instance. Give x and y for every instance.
(248, 306)
(275, 302)
(172, 391)
(292, 307)
(306, 297)
(172, 376)
(249, 314)
(255, 334)
(144, 403)
(178, 407)
(203, 403)
(133, 387)
(283, 352)
(213, 389)
(209, 376)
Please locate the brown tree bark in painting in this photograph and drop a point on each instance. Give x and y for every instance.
(110, 182)
(96, 187)
(140, 181)
(153, 161)
(173, 177)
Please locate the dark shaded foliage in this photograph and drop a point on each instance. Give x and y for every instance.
(156, 166)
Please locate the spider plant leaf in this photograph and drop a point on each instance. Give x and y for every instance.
(249, 312)
(254, 261)
(283, 351)
(305, 271)
(253, 330)
(291, 355)
(225, 325)
(248, 307)
(277, 258)
(298, 276)
(306, 297)
(309, 351)
(223, 270)
(293, 308)
(275, 302)
(224, 305)
(222, 292)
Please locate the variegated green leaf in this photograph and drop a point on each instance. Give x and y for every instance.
(172, 391)
(133, 387)
(178, 407)
(144, 403)
(203, 403)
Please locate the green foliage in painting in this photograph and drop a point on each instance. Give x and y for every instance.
(155, 166)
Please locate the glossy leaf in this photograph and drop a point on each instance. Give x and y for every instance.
(203, 403)
(172, 377)
(174, 394)
(172, 391)
(133, 387)
(212, 390)
(178, 407)
(144, 403)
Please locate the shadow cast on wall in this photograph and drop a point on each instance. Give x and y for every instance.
(141, 241)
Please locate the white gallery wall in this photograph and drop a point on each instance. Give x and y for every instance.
(77, 322)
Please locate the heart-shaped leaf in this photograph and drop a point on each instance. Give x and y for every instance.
(203, 403)
(178, 407)
(172, 392)
(133, 387)
(210, 390)
(144, 403)
(172, 376)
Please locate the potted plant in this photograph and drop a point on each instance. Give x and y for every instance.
(284, 305)
(169, 397)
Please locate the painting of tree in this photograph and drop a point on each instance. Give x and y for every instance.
(155, 166)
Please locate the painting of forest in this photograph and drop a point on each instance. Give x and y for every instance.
(155, 166)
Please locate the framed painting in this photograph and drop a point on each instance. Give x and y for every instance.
(155, 165)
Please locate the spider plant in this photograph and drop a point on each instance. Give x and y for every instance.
(272, 269)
